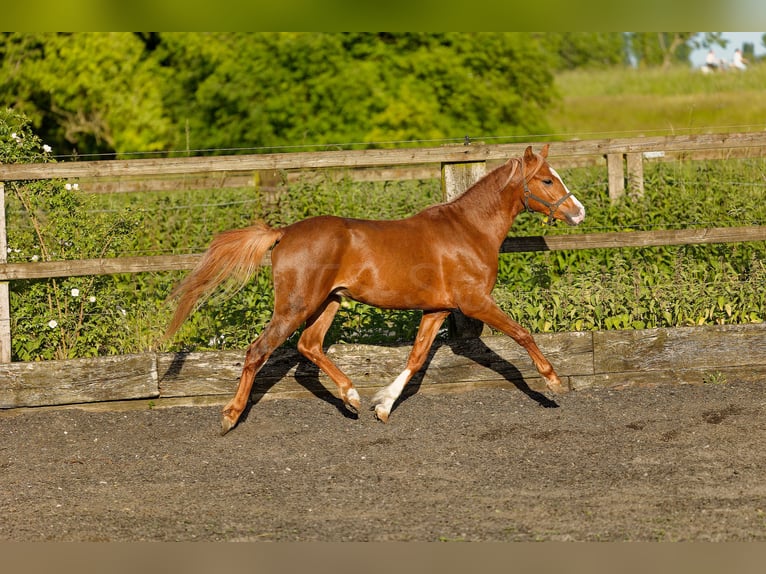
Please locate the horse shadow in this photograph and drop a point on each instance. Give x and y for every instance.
(477, 350)
(307, 375)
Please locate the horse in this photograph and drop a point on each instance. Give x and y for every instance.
(442, 259)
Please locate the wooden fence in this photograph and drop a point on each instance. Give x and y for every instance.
(618, 154)
(601, 359)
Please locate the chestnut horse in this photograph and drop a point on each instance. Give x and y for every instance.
(441, 259)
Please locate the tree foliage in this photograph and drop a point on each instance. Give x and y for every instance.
(92, 92)
(124, 92)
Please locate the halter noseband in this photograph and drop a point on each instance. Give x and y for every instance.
(553, 207)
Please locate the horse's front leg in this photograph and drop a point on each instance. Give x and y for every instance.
(488, 312)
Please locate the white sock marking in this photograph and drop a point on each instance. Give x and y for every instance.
(386, 397)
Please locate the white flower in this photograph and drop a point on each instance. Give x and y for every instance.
(16, 137)
(47, 148)
(68, 187)
(35, 257)
(75, 292)
(75, 186)
(53, 324)
(92, 299)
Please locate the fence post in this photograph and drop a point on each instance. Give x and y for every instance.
(616, 175)
(5, 301)
(456, 179)
(635, 165)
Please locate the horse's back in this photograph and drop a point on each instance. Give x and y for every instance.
(387, 263)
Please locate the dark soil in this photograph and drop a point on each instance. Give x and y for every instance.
(664, 463)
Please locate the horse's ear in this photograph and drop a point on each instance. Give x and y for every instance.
(529, 155)
(544, 151)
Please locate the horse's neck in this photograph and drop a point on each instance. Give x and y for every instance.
(491, 205)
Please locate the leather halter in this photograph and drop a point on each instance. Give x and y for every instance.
(553, 207)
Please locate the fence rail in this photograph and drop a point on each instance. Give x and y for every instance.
(602, 359)
(711, 145)
(611, 240)
(619, 154)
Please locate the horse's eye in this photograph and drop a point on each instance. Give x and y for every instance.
(548, 181)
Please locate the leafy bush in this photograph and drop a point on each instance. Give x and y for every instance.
(59, 318)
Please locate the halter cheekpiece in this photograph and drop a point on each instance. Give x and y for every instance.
(553, 207)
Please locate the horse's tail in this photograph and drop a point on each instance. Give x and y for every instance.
(233, 256)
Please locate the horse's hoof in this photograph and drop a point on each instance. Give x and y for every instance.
(226, 425)
(556, 386)
(381, 414)
(353, 409)
(353, 402)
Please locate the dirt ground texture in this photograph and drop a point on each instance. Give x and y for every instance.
(495, 464)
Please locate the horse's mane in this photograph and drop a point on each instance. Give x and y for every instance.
(483, 196)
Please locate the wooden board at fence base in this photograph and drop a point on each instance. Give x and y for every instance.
(612, 359)
(494, 359)
(648, 379)
(78, 381)
(699, 348)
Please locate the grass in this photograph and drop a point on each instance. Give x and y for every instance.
(627, 102)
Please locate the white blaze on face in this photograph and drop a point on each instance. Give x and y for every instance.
(581, 215)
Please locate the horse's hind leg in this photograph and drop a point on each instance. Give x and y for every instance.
(275, 333)
(384, 399)
(310, 345)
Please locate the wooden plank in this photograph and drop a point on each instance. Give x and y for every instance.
(157, 182)
(711, 375)
(615, 176)
(708, 347)
(635, 168)
(613, 359)
(78, 381)
(618, 239)
(373, 157)
(79, 267)
(5, 296)
(138, 184)
(199, 373)
(497, 358)
(494, 358)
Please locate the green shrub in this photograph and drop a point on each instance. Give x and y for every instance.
(49, 220)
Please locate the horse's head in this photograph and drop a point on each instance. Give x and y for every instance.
(545, 191)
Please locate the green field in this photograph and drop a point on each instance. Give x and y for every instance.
(630, 102)
(556, 291)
